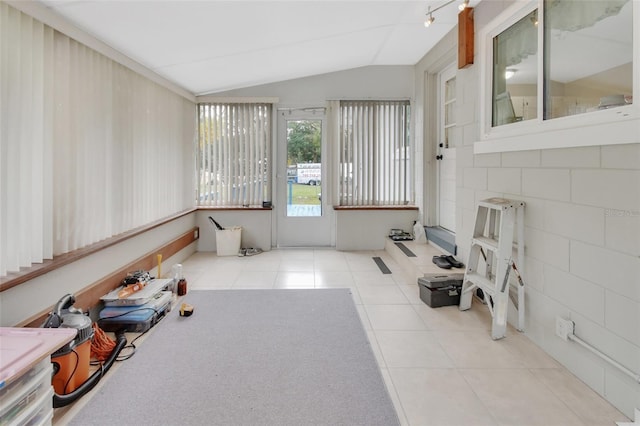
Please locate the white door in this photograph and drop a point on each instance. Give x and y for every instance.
(304, 215)
(446, 152)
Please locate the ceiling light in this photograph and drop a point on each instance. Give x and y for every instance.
(429, 20)
(430, 12)
(509, 72)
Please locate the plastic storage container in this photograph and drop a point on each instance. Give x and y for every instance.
(28, 399)
(441, 289)
(228, 241)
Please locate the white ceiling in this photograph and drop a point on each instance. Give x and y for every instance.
(209, 46)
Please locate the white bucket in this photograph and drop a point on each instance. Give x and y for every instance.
(228, 241)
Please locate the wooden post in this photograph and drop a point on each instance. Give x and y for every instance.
(465, 38)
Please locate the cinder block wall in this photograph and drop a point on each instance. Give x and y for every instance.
(582, 237)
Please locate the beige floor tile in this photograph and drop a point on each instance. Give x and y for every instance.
(394, 317)
(476, 349)
(334, 279)
(297, 265)
(294, 279)
(417, 349)
(590, 407)
(438, 397)
(372, 277)
(382, 295)
(255, 279)
(411, 293)
(528, 352)
(517, 397)
(452, 318)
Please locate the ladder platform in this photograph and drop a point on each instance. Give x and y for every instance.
(500, 203)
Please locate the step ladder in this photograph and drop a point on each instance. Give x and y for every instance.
(491, 260)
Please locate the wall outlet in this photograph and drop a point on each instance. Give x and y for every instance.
(564, 328)
(195, 234)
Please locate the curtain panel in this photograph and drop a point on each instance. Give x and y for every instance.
(234, 154)
(374, 154)
(88, 148)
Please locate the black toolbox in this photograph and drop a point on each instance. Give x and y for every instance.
(440, 289)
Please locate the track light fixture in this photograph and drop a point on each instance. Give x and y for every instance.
(430, 12)
(429, 19)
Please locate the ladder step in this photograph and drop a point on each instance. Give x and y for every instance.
(482, 282)
(486, 243)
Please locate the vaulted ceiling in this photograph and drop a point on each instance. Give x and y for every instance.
(209, 46)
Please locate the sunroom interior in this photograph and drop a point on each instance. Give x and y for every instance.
(109, 158)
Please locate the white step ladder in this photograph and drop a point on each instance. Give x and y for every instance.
(493, 240)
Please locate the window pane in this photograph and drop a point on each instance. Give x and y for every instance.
(588, 56)
(233, 154)
(375, 166)
(304, 167)
(515, 76)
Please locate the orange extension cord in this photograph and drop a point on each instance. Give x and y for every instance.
(102, 345)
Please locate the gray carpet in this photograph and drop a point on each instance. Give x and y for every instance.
(250, 357)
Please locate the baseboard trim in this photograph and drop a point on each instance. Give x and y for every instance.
(442, 238)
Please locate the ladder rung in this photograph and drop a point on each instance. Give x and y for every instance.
(486, 243)
(481, 282)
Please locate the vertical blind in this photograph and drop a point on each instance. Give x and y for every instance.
(374, 158)
(88, 148)
(234, 154)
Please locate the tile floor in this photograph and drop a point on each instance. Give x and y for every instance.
(440, 365)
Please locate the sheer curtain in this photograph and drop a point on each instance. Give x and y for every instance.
(234, 154)
(374, 155)
(89, 148)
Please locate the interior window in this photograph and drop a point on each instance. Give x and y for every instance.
(515, 76)
(588, 55)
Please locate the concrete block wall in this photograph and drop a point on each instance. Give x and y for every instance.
(582, 238)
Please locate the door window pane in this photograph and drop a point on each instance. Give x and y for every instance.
(588, 56)
(304, 168)
(515, 75)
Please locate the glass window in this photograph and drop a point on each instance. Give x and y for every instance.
(449, 108)
(233, 154)
(588, 56)
(375, 167)
(515, 76)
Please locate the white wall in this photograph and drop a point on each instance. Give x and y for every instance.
(368, 229)
(256, 227)
(582, 236)
(376, 82)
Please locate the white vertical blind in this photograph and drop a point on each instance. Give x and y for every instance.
(375, 167)
(88, 148)
(234, 154)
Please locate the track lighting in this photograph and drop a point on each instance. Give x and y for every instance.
(429, 19)
(462, 6)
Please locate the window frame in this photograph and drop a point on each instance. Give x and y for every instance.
(613, 126)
